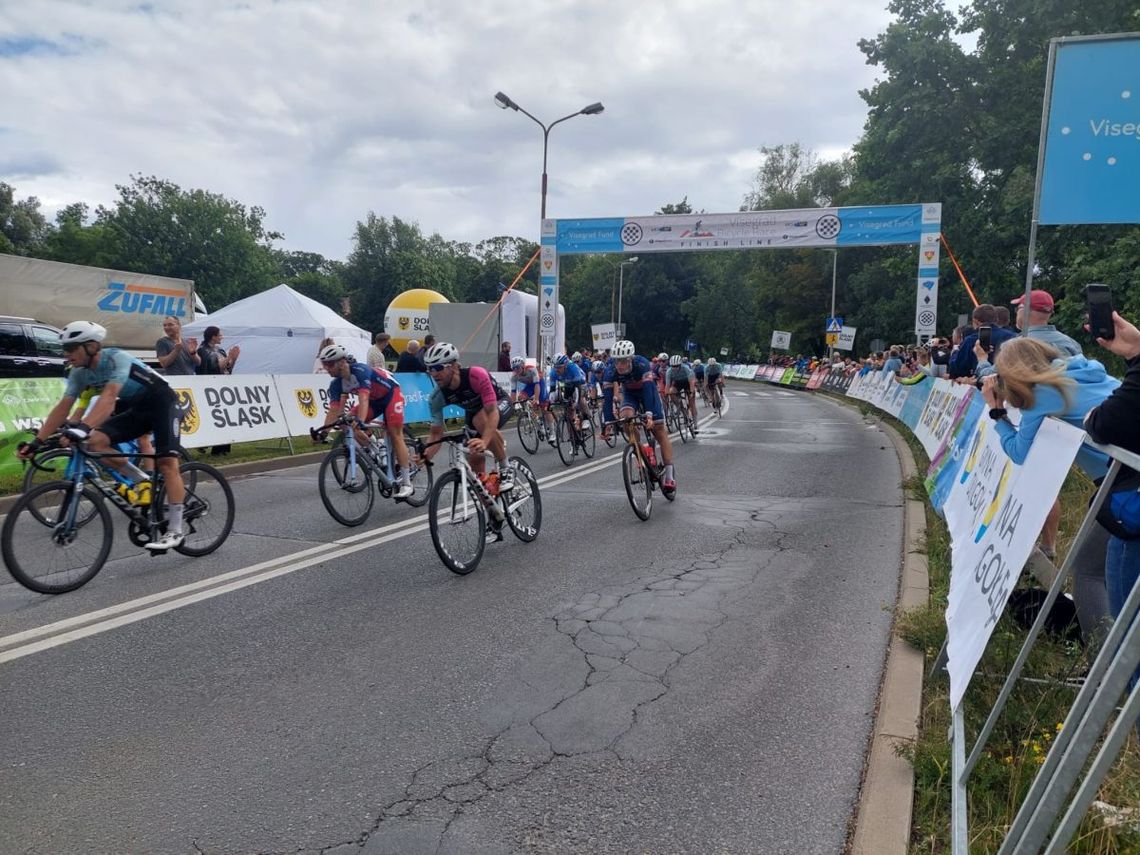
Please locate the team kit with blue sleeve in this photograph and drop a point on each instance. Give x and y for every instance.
(380, 385)
(639, 389)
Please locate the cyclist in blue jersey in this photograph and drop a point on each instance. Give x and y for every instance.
(681, 381)
(133, 400)
(378, 395)
(699, 374)
(526, 383)
(573, 381)
(633, 377)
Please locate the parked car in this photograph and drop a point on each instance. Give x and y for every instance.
(30, 349)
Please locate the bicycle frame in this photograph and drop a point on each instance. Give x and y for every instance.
(78, 471)
(468, 477)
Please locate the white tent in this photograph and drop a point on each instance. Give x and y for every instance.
(279, 331)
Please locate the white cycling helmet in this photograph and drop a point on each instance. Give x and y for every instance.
(577, 357)
(332, 352)
(78, 332)
(517, 362)
(623, 350)
(441, 353)
(662, 357)
(712, 361)
(696, 362)
(561, 359)
(675, 359)
(599, 366)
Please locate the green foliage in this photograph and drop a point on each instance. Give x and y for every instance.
(22, 226)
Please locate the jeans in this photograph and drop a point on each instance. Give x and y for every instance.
(1121, 569)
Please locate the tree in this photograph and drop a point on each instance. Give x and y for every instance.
(75, 241)
(22, 225)
(192, 234)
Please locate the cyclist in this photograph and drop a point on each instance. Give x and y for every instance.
(680, 381)
(484, 404)
(713, 380)
(632, 377)
(570, 376)
(597, 372)
(526, 383)
(378, 394)
(699, 375)
(133, 400)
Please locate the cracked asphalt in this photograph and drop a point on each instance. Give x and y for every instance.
(701, 682)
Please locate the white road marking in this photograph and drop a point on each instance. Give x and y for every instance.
(51, 635)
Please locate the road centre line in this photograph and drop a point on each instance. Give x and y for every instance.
(21, 644)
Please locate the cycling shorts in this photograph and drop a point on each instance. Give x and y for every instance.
(539, 390)
(390, 408)
(505, 409)
(645, 398)
(155, 412)
(681, 386)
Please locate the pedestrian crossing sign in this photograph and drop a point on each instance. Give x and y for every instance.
(834, 325)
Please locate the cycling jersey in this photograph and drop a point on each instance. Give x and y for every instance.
(385, 397)
(572, 376)
(639, 388)
(699, 371)
(475, 391)
(116, 367)
(677, 375)
(529, 383)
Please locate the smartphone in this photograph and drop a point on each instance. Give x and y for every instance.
(1098, 299)
(985, 336)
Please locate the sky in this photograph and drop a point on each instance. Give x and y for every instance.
(320, 111)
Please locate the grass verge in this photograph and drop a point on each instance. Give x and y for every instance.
(1031, 718)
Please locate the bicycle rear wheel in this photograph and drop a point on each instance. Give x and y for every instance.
(523, 502)
(56, 538)
(587, 438)
(458, 524)
(207, 510)
(346, 491)
(638, 487)
(528, 432)
(566, 444)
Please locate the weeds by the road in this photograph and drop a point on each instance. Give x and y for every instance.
(1025, 730)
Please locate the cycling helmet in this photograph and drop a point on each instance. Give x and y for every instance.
(561, 359)
(441, 353)
(332, 352)
(623, 350)
(577, 357)
(712, 361)
(696, 362)
(517, 362)
(675, 359)
(78, 332)
(662, 357)
(599, 366)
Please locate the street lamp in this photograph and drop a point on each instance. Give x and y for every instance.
(834, 268)
(589, 110)
(621, 276)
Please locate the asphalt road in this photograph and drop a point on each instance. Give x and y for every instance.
(701, 682)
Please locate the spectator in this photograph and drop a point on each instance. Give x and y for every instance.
(1040, 311)
(1001, 319)
(174, 355)
(215, 360)
(1116, 422)
(940, 349)
(1033, 376)
(505, 356)
(965, 361)
(429, 340)
(318, 366)
(376, 354)
(409, 361)
(893, 362)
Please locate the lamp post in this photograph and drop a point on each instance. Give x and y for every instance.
(834, 268)
(505, 102)
(621, 276)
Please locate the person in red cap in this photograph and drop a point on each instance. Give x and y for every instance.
(1040, 310)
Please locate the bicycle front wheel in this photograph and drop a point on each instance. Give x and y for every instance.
(523, 502)
(346, 489)
(588, 439)
(638, 487)
(528, 432)
(458, 524)
(207, 510)
(566, 443)
(56, 537)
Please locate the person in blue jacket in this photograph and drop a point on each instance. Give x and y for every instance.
(1033, 377)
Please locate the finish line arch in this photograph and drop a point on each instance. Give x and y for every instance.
(804, 228)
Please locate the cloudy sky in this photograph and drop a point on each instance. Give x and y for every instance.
(322, 110)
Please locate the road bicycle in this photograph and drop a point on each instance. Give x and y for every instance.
(58, 535)
(678, 419)
(640, 469)
(346, 474)
(530, 426)
(570, 437)
(467, 509)
(717, 398)
(50, 464)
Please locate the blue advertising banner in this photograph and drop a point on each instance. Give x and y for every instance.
(1092, 143)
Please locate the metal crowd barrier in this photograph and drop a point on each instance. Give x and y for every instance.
(1106, 682)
